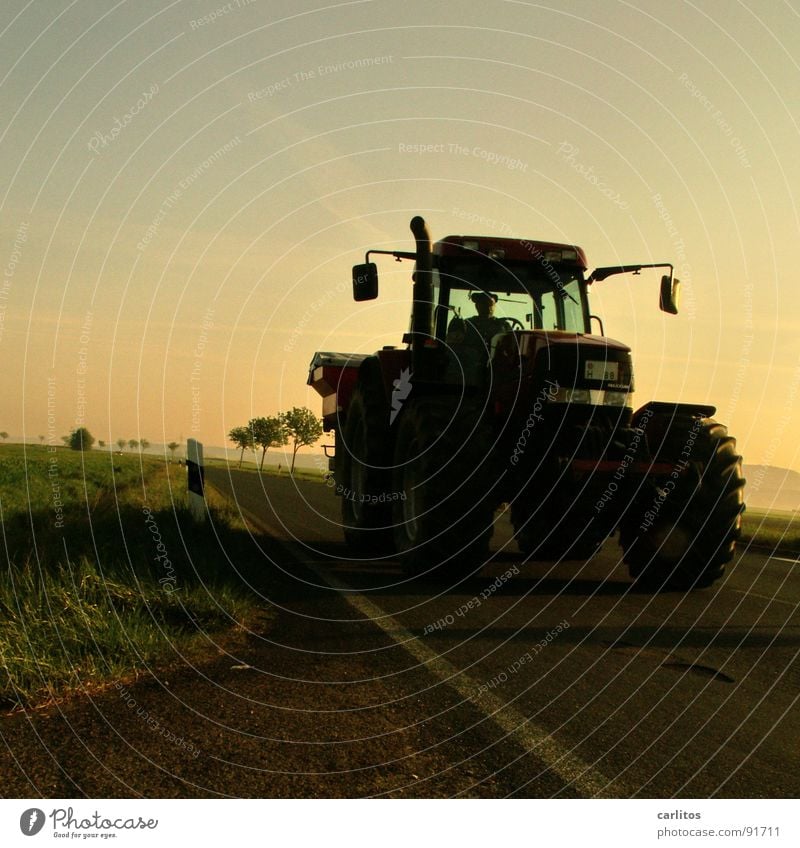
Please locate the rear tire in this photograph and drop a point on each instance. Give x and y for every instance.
(366, 513)
(687, 540)
(443, 517)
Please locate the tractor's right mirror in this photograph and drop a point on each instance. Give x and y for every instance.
(365, 281)
(670, 294)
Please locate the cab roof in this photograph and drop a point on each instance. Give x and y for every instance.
(521, 250)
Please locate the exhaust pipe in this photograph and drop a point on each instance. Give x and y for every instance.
(422, 309)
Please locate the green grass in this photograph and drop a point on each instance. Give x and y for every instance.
(775, 530)
(86, 594)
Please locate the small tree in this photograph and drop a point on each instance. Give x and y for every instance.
(81, 439)
(121, 444)
(242, 437)
(267, 433)
(133, 444)
(144, 444)
(101, 443)
(3, 435)
(41, 440)
(172, 447)
(303, 427)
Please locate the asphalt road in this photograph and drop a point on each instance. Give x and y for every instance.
(540, 681)
(554, 678)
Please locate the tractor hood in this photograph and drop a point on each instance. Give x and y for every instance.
(528, 343)
(573, 339)
(575, 365)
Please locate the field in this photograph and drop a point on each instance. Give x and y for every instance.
(774, 530)
(106, 572)
(300, 473)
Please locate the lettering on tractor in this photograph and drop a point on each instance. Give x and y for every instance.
(502, 395)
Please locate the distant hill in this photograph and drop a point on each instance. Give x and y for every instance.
(771, 487)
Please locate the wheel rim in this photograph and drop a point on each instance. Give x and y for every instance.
(672, 540)
(410, 505)
(358, 474)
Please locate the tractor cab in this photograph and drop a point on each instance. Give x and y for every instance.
(478, 289)
(485, 289)
(534, 285)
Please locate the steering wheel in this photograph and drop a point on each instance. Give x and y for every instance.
(515, 323)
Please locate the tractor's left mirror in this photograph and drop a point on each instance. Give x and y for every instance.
(365, 281)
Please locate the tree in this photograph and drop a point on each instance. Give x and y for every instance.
(144, 444)
(267, 433)
(303, 427)
(133, 444)
(101, 443)
(3, 435)
(41, 440)
(172, 446)
(121, 444)
(81, 439)
(242, 437)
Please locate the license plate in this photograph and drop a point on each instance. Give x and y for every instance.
(601, 370)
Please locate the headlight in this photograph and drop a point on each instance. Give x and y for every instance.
(616, 399)
(595, 397)
(572, 396)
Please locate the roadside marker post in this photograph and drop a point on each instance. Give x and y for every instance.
(196, 481)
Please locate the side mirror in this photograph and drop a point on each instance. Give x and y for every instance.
(670, 294)
(365, 281)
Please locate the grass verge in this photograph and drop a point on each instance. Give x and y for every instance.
(106, 573)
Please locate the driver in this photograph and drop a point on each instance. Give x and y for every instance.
(481, 328)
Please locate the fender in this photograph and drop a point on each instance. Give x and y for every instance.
(666, 423)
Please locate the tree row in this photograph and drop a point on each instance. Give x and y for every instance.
(299, 425)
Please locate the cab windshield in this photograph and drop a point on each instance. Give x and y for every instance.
(552, 299)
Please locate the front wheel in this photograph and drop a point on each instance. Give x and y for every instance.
(685, 533)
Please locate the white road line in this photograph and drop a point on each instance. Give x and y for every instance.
(783, 559)
(586, 778)
(570, 768)
(764, 597)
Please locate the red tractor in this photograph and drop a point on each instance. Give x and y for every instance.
(521, 407)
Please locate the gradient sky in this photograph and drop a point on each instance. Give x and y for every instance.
(186, 185)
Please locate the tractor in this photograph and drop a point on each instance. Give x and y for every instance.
(521, 408)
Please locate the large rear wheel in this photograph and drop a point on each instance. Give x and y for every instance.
(443, 514)
(366, 477)
(685, 533)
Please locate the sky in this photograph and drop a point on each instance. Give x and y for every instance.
(186, 185)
